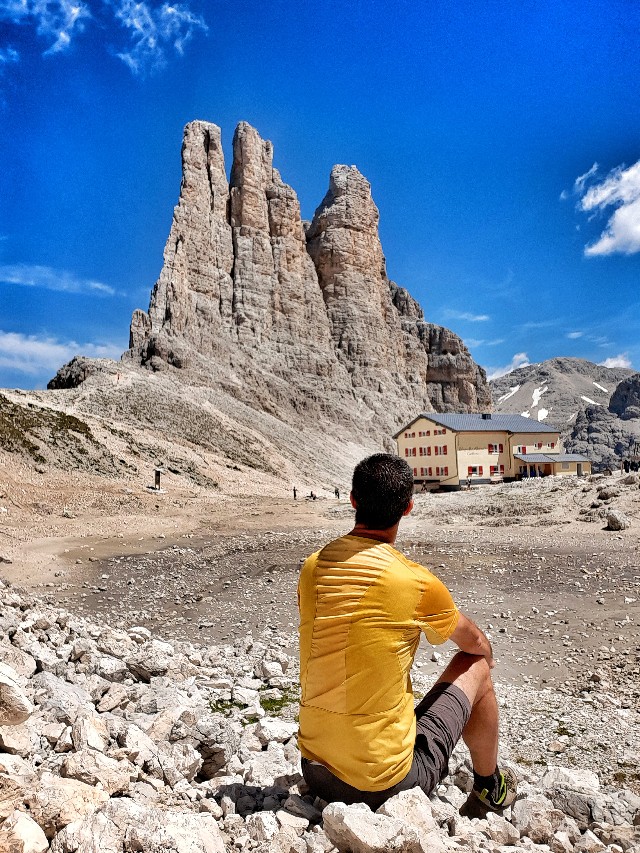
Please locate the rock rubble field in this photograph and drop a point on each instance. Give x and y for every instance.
(148, 694)
(113, 740)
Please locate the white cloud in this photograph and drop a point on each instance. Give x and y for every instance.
(574, 335)
(579, 182)
(153, 30)
(32, 355)
(33, 275)
(520, 359)
(8, 54)
(466, 315)
(620, 190)
(53, 19)
(621, 360)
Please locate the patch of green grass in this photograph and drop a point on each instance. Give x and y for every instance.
(273, 706)
(223, 706)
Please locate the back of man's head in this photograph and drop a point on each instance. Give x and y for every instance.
(382, 489)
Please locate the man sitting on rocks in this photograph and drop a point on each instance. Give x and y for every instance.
(363, 606)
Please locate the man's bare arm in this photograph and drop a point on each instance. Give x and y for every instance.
(469, 638)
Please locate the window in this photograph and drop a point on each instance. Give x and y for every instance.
(440, 450)
(442, 472)
(496, 470)
(565, 465)
(426, 472)
(521, 448)
(552, 444)
(539, 445)
(439, 432)
(413, 435)
(415, 472)
(496, 448)
(474, 471)
(423, 432)
(409, 451)
(425, 451)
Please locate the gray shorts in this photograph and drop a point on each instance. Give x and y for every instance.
(440, 718)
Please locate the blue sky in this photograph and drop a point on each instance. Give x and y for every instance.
(501, 140)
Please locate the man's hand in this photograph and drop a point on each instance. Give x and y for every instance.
(469, 638)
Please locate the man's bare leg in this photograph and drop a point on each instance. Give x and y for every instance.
(471, 674)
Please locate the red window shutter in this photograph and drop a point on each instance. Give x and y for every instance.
(444, 450)
(480, 470)
(469, 471)
(501, 448)
(428, 451)
(406, 451)
(524, 449)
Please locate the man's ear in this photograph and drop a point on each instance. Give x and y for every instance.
(353, 500)
(409, 507)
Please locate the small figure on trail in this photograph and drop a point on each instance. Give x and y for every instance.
(363, 607)
(468, 483)
(336, 492)
(312, 496)
(627, 466)
(295, 493)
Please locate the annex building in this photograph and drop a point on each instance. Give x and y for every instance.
(451, 450)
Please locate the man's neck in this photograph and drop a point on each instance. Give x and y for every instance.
(388, 535)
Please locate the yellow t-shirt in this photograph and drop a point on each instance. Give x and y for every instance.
(362, 608)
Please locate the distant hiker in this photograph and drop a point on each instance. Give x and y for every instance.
(312, 496)
(295, 493)
(468, 483)
(336, 492)
(363, 606)
(627, 466)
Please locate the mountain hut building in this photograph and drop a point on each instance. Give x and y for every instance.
(451, 451)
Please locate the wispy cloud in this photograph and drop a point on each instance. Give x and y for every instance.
(32, 275)
(8, 54)
(32, 355)
(153, 30)
(618, 191)
(621, 360)
(520, 359)
(55, 20)
(466, 315)
(574, 335)
(475, 342)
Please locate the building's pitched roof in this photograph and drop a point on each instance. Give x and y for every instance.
(481, 423)
(550, 457)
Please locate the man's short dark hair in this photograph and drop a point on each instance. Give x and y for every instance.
(382, 488)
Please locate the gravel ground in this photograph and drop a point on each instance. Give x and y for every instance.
(557, 594)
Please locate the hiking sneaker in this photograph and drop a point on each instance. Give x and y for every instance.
(505, 795)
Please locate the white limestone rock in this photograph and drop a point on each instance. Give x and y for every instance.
(357, 829)
(94, 768)
(123, 826)
(55, 802)
(21, 834)
(15, 707)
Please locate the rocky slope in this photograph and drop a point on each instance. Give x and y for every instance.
(612, 434)
(112, 740)
(556, 390)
